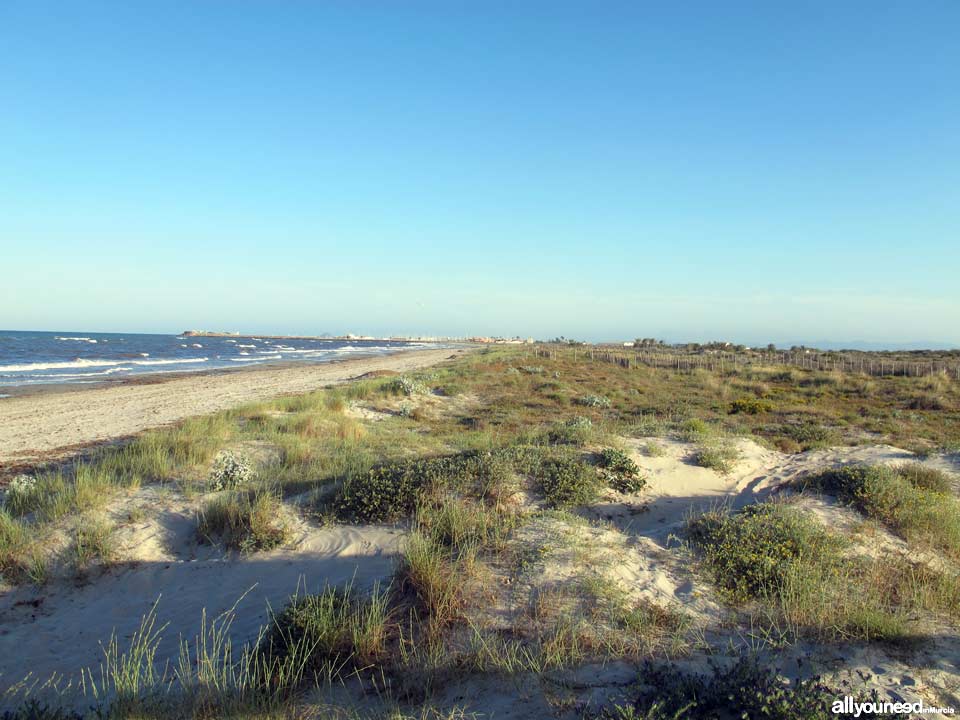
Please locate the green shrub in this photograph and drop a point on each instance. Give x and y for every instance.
(381, 494)
(808, 434)
(899, 499)
(389, 492)
(620, 472)
(750, 406)
(566, 482)
(404, 385)
(925, 478)
(750, 553)
(575, 431)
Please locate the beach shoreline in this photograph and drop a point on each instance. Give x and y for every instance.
(49, 422)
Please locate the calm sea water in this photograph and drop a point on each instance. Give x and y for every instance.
(32, 358)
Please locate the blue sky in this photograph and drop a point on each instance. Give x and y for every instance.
(745, 170)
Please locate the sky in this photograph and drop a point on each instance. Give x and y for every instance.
(750, 171)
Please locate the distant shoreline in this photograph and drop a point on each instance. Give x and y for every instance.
(51, 423)
(337, 338)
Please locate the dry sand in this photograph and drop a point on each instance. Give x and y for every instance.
(45, 424)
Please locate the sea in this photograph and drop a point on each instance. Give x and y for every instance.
(41, 358)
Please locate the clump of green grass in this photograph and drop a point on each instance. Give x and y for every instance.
(22, 557)
(427, 571)
(910, 500)
(719, 456)
(244, 520)
(342, 628)
(92, 541)
(566, 482)
(465, 524)
(619, 471)
(653, 449)
(578, 430)
(696, 430)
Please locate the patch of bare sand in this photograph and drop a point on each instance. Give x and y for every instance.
(58, 629)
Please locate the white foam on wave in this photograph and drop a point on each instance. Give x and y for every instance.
(257, 359)
(85, 363)
(247, 346)
(197, 345)
(76, 339)
(57, 376)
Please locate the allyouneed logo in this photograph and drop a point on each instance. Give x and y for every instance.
(849, 706)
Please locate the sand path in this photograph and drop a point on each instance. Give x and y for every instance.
(34, 426)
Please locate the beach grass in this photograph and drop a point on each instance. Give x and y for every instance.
(914, 501)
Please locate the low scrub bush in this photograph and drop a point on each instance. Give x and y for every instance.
(925, 478)
(93, 541)
(19, 497)
(578, 430)
(750, 406)
(619, 471)
(567, 482)
(774, 553)
(389, 492)
(808, 435)
(229, 471)
(695, 429)
(902, 498)
(245, 521)
(405, 385)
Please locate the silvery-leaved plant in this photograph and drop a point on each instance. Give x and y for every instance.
(229, 471)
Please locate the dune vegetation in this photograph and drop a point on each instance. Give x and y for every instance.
(536, 541)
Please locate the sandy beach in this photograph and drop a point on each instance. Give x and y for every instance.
(44, 425)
